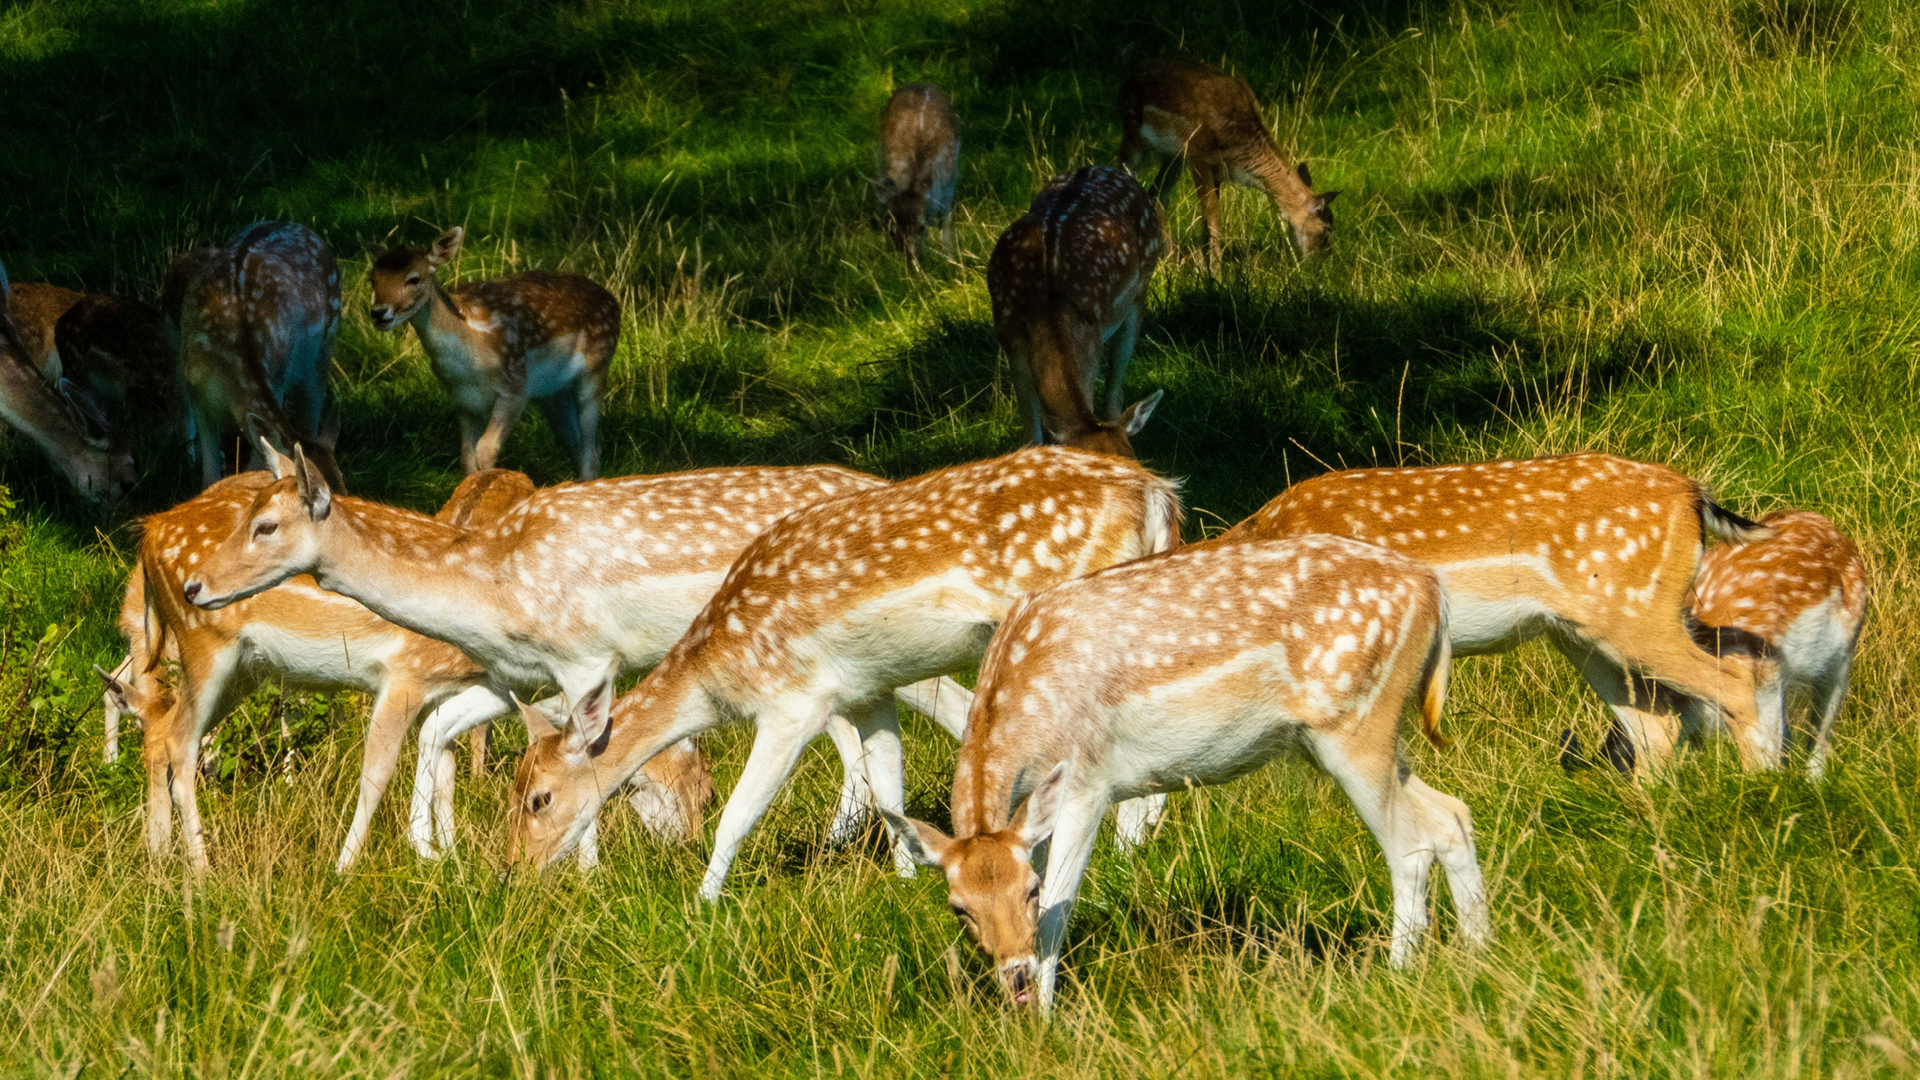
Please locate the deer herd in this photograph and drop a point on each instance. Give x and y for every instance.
(1115, 664)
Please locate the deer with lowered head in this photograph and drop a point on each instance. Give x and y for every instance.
(257, 323)
(920, 165)
(99, 470)
(1067, 283)
(828, 609)
(1184, 110)
(107, 356)
(1195, 667)
(540, 335)
(1595, 553)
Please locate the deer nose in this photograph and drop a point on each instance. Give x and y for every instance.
(382, 312)
(192, 591)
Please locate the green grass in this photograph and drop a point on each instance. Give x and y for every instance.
(1680, 231)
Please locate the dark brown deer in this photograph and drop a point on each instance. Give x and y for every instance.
(1180, 108)
(32, 405)
(1067, 283)
(920, 163)
(117, 366)
(35, 307)
(496, 344)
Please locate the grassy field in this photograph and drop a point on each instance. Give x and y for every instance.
(1683, 231)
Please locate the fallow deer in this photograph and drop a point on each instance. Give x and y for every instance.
(35, 307)
(829, 608)
(920, 164)
(118, 368)
(1595, 553)
(305, 637)
(576, 582)
(32, 405)
(1067, 282)
(257, 324)
(1179, 108)
(496, 344)
(1190, 668)
(181, 270)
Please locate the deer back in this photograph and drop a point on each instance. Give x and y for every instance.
(523, 316)
(33, 406)
(920, 158)
(1764, 588)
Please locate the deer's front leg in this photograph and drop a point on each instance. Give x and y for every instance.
(1119, 355)
(506, 413)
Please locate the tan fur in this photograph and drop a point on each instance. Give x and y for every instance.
(1063, 278)
(36, 308)
(32, 405)
(1215, 123)
(920, 162)
(482, 497)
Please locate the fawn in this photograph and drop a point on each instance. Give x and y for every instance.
(920, 164)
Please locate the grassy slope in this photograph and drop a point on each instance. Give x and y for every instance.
(1683, 231)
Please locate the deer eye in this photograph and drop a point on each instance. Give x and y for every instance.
(265, 528)
(959, 912)
(1033, 892)
(539, 801)
(413, 279)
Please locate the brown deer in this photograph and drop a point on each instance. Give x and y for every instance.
(1595, 553)
(35, 307)
(1067, 283)
(107, 356)
(1180, 108)
(829, 608)
(920, 165)
(257, 324)
(302, 636)
(1191, 668)
(495, 344)
(29, 403)
(181, 270)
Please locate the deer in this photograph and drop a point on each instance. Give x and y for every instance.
(100, 471)
(107, 356)
(34, 308)
(1067, 283)
(496, 344)
(1182, 109)
(1595, 553)
(577, 582)
(303, 636)
(920, 165)
(257, 324)
(1192, 668)
(826, 610)
(181, 270)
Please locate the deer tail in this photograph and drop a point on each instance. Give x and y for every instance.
(1729, 526)
(1160, 528)
(1433, 679)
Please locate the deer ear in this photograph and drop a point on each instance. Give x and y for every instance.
(115, 689)
(1034, 820)
(313, 488)
(1326, 198)
(86, 411)
(1136, 415)
(279, 464)
(588, 726)
(925, 843)
(539, 724)
(1306, 176)
(446, 246)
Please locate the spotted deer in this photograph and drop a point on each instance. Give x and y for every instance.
(829, 608)
(920, 165)
(304, 637)
(575, 583)
(257, 324)
(181, 270)
(1181, 109)
(35, 307)
(29, 403)
(107, 356)
(1190, 668)
(495, 344)
(1595, 553)
(1067, 283)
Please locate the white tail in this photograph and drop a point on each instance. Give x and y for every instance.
(32, 405)
(828, 610)
(1067, 282)
(496, 344)
(920, 164)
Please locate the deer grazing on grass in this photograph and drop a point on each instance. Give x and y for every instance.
(35, 307)
(1182, 109)
(828, 609)
(107, 356)
(1595, 553)
(1195, 667)
(257, 324)
(181, 270)
(98, 470)
(920, 164)
(495, 344)
(1068, 281)
(306, 637)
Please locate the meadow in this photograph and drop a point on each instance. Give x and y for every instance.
(1679, 231)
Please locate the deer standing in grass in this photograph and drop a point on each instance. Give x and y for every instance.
(257, 324)
(181, 270)
(1182, 109)
(29, 403)
(305, 637)
(1067, 283)
(920, 165)
(1595, 553)
(574, 584)
(35, 308)
(1195, 667)
(107, 356)
(829, 608)
(495, 344)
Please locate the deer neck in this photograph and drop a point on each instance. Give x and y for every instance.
(987, 777)
(670, 704)
(1282, 184)
(410, 570)
(440, 325)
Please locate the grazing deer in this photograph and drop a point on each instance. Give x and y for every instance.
(495, 344)
(181, 271)
(576, 582)
(35, 307)
(117, 366)
(257, 324)
(920, 164)
(100, 471)
(1595, 553)
(1195, 667)
(1182, 109)
(1791, 607)
(303, 636)
(829, 608)
(1068, 281)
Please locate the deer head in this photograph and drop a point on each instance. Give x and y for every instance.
(403, 278)
(558, 793)
(277, 538)
(1313, 225)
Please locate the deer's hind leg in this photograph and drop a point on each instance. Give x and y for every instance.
(1206, 185)
(784, 730)
(1671, 659)
(393, 710)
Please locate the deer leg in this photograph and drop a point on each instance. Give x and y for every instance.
(1829, 692)
(206, 441)
(1119, 355)
(506, 413)
(1020, 365)
(1651, 733)
(1369, 776)
(471, 427)
(1724, 684)
(855, 793)
(1135, 819)
(884, 765)
(481, 735)
(1068, 852)
(393, 710)
(1446, 826)
(1207, 186)
(461, 712)
(157, 750)
(944, 701)
(211, 696)
(110, 713)
(783, 732)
